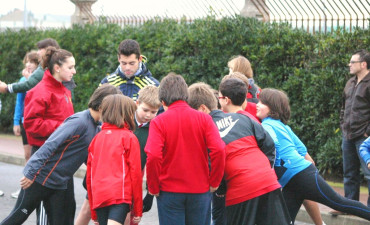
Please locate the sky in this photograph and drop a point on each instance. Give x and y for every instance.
(117, 7)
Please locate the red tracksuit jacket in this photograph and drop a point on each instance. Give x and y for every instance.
(177, 151)
(46, 106)
(113, 173)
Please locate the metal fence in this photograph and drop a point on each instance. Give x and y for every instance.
(317, 15)
(310, 15)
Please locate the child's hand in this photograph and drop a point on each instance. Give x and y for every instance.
(136, 219)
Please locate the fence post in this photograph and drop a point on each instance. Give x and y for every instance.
(250, 10)
(83, 13)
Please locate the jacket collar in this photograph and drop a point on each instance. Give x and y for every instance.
(50, 79)
(108, 126)
(178, 103)
(141, 71)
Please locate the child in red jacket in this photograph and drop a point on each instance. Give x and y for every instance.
(114, 180)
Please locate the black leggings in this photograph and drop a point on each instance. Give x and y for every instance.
(308, 184)
(117, 213)
(57, 203)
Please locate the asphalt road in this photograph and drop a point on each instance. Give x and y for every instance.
(10, 175)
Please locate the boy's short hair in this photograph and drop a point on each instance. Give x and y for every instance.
(235, 90)
(150, 96)
(118, 110)
(100, 93)
(128, 47)
(201, 93)
(47, 43)
(237, 75)
(278, 103)
(173, 88)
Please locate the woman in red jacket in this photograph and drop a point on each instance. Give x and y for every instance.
(113, 176)
(46, 106)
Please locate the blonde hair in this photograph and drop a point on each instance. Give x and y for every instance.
(118, 110)
(241, 64)
(150, 96)
(201, 93)
(237, 75)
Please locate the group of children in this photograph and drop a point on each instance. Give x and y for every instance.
(209, 156)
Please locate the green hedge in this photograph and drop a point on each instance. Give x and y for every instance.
(312, 69)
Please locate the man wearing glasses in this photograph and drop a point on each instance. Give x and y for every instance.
(355, 123)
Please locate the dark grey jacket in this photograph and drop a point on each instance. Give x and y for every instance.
(55, 162)
(355, 112)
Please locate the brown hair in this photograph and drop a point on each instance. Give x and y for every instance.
(241, 64)
(215, 93)
(278, 102)
(128, 47)
(237, 75)
(54, 56)
(32, 57)
(150, 95)
(118, 110)
(100, 93)
(173, 88)
(234, 89)
(47, 43)
(201, 93)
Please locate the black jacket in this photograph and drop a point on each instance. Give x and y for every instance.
(355, 112)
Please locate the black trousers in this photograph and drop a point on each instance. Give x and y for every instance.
(56, 203)
(267, 209)
(308, 184)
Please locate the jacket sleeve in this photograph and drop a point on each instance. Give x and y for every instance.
(62, 136)
(154, 149)
(88, 179)
(18, 110)
(264, 142)
(35, 122)
(34, 79)
(134, 163)
(216, 147)
(365, 151)
(341, 114)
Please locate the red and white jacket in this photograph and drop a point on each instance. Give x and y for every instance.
(46, 106)
(114, 170)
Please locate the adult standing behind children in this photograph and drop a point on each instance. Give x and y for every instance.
(49, 103)
(355, 124)
(177, 164)
(132, 74)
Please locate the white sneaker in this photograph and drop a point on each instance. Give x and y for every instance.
(15, 194)
(1, 193)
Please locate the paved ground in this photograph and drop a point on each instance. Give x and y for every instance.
(11, 152)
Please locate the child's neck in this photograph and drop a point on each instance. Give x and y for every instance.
(233, 108)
